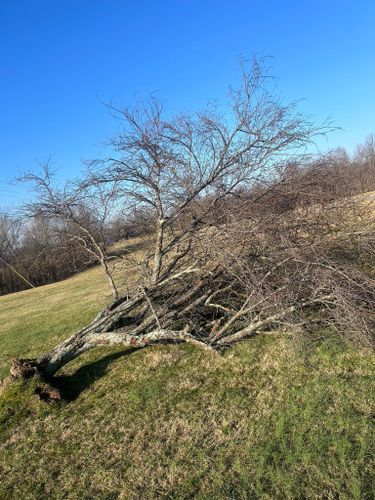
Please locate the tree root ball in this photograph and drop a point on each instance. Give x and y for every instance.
(23, 368)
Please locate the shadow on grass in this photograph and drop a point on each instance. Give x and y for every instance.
(71, 386)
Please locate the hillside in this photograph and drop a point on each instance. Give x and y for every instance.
(271, 418)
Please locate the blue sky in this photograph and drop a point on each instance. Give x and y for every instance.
(60, 58)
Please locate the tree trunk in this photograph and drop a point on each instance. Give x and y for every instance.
(125, 323)
(158, 255)
(84, 341)
(110, 279)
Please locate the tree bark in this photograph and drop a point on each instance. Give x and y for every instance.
(84, 341)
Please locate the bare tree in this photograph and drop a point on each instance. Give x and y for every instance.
(365, 153)
(9, 235)
(36, 252)
(210, 283)
(185, 167)
(364, 164)
(9, 241)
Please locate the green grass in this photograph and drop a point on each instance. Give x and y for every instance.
(34, 320)
(267, 419)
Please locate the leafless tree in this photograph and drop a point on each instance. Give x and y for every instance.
(211, 281)
(185, 167)
(9, 235)
(9, 242)
(36, 252)
(365, 152)
(364, 164)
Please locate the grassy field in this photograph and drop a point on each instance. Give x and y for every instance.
(269, 419)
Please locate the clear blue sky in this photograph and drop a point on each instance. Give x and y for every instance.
(60, 58)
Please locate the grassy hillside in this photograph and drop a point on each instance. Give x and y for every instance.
(34, 320)
(269, 419)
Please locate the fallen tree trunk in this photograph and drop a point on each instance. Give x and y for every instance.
(65, 352)
(130, 323)
(172, 311)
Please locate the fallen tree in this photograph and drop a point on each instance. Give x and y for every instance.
(219, 270)
(234, 298)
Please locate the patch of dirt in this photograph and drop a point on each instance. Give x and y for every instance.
(47, 393)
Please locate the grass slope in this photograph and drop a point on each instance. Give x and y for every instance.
(266, 420)
(32, 321)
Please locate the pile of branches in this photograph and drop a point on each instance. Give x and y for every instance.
(226, 296)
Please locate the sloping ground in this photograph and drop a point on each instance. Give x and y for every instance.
(272, 418)
(32, 321)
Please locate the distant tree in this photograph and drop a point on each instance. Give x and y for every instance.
(47, 253)
(364, 163)
(365, 153)
(10, 234)
(36, 252)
